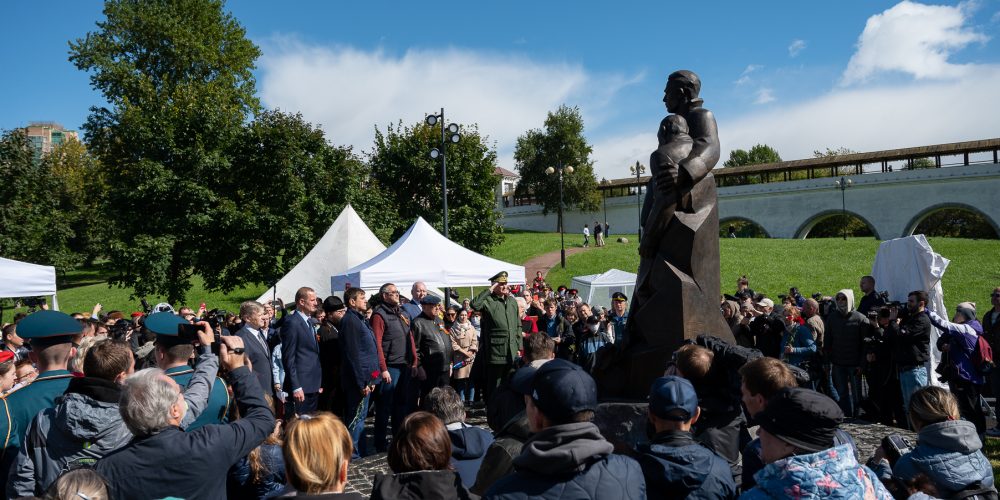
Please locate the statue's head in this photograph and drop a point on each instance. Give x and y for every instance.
(682, 89)
(670, 127)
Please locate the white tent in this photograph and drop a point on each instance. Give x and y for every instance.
(347, 243)
(21, 279)
(906, 264)
(596, 289)
(423, 254)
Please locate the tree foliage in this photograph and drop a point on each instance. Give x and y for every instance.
(954, 222)
(760, 153)
(177, 78)
(82, 190)
(561, 141)
(401, 165)
(33, 225)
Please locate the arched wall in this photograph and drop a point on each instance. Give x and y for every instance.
(723, 222)
(803, 231)
(917, 219)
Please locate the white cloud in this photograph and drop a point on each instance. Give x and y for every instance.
(349, 91)
(915, 39)
(764, 96)
(872, 119)
(745, 75)
(796, 47)
(996, 17)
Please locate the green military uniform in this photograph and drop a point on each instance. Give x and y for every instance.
(218, 399)
(501, 325)
(44, 329)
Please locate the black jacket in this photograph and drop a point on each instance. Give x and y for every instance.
(911, 340)
(499, 459)
(677, 466)
(190, 465)
(433, 344)
(420, 485)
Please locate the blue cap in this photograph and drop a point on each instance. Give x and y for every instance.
(522, 380)
(430, 300)
(560, 389)
(48, 325)
(673, 398)
(164, 323)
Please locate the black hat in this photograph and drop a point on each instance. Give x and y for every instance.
(560, 389)
(522, 380)
(801, 417)
(333, 304)
(619, 296)
(430, 300)
(500, 277)
(48, 327)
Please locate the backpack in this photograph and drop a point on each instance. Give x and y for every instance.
(982, 356)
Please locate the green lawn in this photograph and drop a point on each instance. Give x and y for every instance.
(814, 265)
(992, 451)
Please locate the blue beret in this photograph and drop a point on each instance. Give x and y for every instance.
(430, 300)
(164, 323)
(47, 324)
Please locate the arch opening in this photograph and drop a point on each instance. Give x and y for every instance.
(742, 228)
(954, 221)
(835, 224)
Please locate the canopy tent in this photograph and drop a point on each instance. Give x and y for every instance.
(347, 243)
(21, 279)
(597, 289)
(906, 264)
(423, 254)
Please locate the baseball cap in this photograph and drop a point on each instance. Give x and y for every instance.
(522, 379)
(801, 417)
(560, 389)
(765, 302)
(673, 398)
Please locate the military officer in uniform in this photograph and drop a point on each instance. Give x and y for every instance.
(51, 336)
(501, 331)
(208, 403)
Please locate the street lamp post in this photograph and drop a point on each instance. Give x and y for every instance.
(637, 170)
(843, 184)
(448, 134)
(604, 198)
(560, 169)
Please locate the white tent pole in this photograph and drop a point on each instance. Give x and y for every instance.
(55, 303)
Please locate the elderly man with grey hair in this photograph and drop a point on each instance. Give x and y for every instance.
(257, 348)
(164, 461)
(468, 444)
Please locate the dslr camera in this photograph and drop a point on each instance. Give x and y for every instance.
(895, 446)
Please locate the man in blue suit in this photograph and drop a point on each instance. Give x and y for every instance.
(300, 354)
(254, 320)
(360, 368)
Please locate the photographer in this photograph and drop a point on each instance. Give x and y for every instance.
(948, 450)
(884, 403)
(957, 343)
(766, 327)
(208, 402)
(165, 461)
(911, 343)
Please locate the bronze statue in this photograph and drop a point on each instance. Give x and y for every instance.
(677, 292)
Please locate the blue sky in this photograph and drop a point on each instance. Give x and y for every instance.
(799, 76)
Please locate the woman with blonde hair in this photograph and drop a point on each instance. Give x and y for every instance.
(317, 450)
(948, 452)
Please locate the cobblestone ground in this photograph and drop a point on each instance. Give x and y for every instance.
(361, 474)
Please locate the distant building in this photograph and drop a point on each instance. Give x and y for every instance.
(505, 191)
(46, 136)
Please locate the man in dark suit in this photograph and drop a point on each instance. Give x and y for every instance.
(300, 354)
(252, 333)
(360, 368)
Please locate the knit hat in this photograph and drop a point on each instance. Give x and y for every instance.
(967, 309)
(801, 417)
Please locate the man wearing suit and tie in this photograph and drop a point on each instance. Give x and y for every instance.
(252, 333)
(300, 354)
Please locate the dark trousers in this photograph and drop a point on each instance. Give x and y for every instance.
(434, 379)
(495, 373)
(967, 395)
(390, 401)
(357, 411)
(309, 405)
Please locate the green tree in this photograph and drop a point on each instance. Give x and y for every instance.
(81, 193)
(177, 77)
(401, 164)
(760, 153)
(561, 141)
(33, 225)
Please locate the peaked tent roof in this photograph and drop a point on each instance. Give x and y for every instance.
(347, 243)
(609, 277)
(423, 254)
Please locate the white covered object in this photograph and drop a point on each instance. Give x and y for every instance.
(347, 243)
(423, 254)
(597, 289)
(21, 279)
(906, 264)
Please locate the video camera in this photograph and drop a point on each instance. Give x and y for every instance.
(120, 329)
(189, 333)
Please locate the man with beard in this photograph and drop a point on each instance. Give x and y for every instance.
(332, 397)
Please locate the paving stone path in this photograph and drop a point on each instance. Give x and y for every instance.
(547, 261)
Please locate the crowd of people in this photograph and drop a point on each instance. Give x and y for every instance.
(273, 401)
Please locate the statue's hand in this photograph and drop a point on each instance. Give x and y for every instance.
(666, 180)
